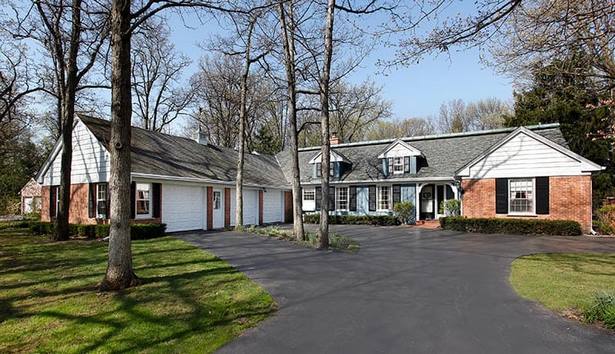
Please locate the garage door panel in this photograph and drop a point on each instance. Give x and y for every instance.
(250, 207)
(272, 206)
(182, 207)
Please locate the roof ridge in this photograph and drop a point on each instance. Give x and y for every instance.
(437, 136)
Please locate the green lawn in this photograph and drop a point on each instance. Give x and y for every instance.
(563, 281)
(190, 301)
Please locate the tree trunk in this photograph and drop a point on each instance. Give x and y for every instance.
(119, 273)
(324, 125)
(289, 51)
(61, 232)
(242, 130)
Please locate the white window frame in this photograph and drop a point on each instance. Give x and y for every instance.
(338, 199)
(149, 201)
(379, 198)
(533, 211)
(307, 192)
(398, 162)
(98, 199)
(57, 188)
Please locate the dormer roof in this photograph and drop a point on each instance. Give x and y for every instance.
(399, 148)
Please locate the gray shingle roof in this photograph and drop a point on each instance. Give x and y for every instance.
(444, 154)
(169, 155)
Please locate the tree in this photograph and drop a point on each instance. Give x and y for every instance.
(389, 129)
(456, 117)
(160, 97)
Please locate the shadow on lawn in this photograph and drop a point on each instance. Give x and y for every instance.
(137, 318)
(581, 263)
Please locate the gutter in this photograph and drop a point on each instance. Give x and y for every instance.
(200, 180)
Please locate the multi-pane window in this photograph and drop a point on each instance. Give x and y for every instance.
(142, 199)
(101, 200)
(383, 197)
(309, 195)
(342, 198)
(521, 200)
(398, 165)
(217, 197)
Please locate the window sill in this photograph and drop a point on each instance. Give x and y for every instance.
(521, 215)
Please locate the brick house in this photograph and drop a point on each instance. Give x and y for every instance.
(527, 172)
(30, 197)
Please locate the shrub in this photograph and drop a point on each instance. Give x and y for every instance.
(451, 207)
(88, 231)
(606, 219)
(147, 231)
(405, 212)
(42, 228)
(602, 309)
(382, 220)
(21, 224)
(511, 226)
(102, 230)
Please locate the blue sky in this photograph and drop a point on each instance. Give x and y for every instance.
(415, 91)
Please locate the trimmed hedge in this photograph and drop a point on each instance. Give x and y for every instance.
(512, 226)
(381, 220)
(137, 231)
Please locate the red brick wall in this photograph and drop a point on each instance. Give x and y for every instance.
(570, 198)
(78, 213)
(210, 208)
(260, 207)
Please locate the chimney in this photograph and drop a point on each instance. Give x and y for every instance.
(200, 137)
(334, 140)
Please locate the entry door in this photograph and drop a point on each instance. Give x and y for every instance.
(427, 199)
(363, 200)
(218, 205)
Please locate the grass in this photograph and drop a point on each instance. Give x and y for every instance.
(190, 301)
(336, 241)
(564, 282)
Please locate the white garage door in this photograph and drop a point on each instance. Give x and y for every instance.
(250, 207)
(182, 207)
(272, 206)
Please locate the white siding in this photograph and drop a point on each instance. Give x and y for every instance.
(398, 151)
(250, 206)
(524, 156)
(273, 206)
(183, 207)
(90, 160)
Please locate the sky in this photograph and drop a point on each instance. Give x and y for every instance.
(414, 91)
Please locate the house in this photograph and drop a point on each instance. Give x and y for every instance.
(527, 172)
(30, 197)
(186, 183)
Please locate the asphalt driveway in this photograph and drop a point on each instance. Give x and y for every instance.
(406, 290)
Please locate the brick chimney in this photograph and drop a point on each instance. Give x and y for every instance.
(334, 140)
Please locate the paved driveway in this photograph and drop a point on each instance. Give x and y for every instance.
(406, 290)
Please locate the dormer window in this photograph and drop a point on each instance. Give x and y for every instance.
(337, 166)
(398, 165)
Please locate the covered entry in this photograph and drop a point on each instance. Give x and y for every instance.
(430, 198)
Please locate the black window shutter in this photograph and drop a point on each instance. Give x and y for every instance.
(52, 201)
(352, 198)
(407, 164)
(372, 198)
(108, 202)
(133, 198)
(156, 196)
(331, 198)
(501, 195)
(542, 195)
(396, 194)
(385, 167)
(317, 197)
(92, 201)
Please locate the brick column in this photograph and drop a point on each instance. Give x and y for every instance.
(210, 208)
(227, 207)
(260, 207)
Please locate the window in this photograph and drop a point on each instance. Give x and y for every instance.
(309, 195)
(342, 198)
(216, 200)
(318, 169)
(143, 197)
(101, 201)
(57, 195)
(521, 196)
(398, 165)
(332, 169)
(383, 198)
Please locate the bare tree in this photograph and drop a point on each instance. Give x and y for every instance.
(452, 118)
(160, 96)
(456, 117)
(389, 129)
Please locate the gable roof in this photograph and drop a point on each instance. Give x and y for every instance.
(587, 164)
(413, 151)
(159, 155)
(444, 154)
(335, 156)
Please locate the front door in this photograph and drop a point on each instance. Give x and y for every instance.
(218, 206)
(362, 200)
(427, 203)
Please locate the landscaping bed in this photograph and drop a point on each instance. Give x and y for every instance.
(336, 242)
(189, 300)
(579, 286)
(511, 226)
(381, 220)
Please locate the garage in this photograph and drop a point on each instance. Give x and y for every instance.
(250, 207)
(183, 207)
